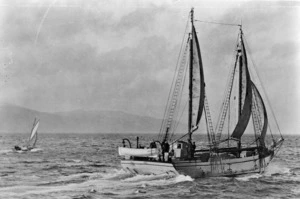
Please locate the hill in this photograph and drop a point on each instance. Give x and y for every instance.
(20, 119)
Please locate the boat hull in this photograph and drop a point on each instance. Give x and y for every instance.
(197, 169)
(222, 167)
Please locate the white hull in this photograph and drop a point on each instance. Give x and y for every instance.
(197, 169)
(143, 152)
(225, 167)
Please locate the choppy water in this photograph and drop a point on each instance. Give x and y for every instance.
(73, 166)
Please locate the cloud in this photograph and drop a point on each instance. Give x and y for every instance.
(121, 55)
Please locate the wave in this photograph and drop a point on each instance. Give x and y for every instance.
(295, 170)
(98, 165)
(114, 174)
(73, 160)
(276, 169)
(5, 151)
(70, 179)
(33, 161)
(120, 182)
(138, 178)
(34, 150)
(44, 191)
(183, 178)
(249, 177)
(82, 196)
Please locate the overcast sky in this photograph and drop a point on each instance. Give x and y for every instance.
(120, 55)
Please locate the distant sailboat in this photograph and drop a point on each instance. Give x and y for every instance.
(218, 157)
(32, 138)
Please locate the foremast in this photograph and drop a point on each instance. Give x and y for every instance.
(196, 82)
(190, 78)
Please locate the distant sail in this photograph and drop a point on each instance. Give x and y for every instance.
(245, 91)
(197, 83)
(33, 136)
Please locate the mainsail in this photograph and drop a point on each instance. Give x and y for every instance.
(245, 91)
(196, 100)
(33, 136)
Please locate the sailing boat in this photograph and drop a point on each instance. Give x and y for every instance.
(219, 157)
(32, 138)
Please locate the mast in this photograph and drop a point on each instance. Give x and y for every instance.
(191, 78)
(244, 91)
(240, 87)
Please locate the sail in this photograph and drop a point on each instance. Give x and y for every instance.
(196, 83)
(34, 130)
(260, 114)
(245, 91)
(33, 135)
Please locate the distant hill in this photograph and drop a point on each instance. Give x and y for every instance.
(19, 119)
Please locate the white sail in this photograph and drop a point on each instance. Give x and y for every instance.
(33, 136)
(34, 130)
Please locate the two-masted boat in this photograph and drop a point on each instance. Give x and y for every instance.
(219, 157)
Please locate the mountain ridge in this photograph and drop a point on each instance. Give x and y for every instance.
(19, 119)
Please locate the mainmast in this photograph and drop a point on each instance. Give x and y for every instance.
(191, 78)
(244, 90)
(240, 69)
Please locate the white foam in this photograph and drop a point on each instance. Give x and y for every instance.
(75, 160)
(137, 178)
(22, 191)
(276, 169)
(36, 150)
(115, 173)
(183, 178)
(248, 177)
(3, 151)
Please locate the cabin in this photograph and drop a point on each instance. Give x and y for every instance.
(181, 150)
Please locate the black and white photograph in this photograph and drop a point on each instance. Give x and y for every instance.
(124, 99)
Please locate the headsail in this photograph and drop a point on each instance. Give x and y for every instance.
(196, 86)
(259, 115)
(245, 91)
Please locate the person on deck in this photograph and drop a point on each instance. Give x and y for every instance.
(152, 145)
(17, 148)
(193, 149)
(239, 149)
(165, 150)
(166, 154)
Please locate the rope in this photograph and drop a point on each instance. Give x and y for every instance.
(179, 138)
(225, 24)
(264, 90)
(174, 77)
(230, 80)
(177, 124)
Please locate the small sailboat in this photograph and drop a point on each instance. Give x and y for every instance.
(228, 155)
(32, 138)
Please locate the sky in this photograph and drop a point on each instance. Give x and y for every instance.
(64, 55)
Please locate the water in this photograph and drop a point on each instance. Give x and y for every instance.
(73, 166)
